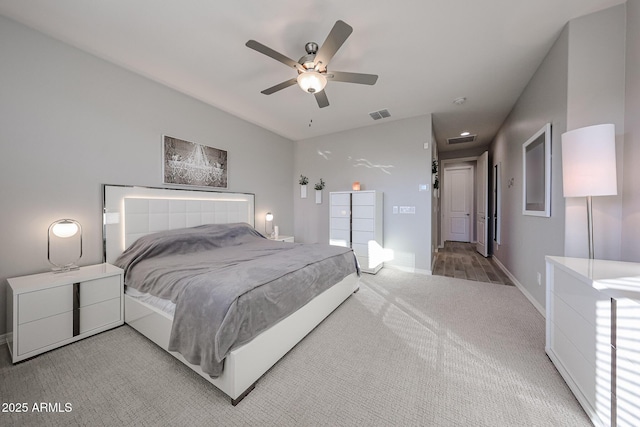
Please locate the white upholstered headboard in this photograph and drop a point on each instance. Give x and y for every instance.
(131, 212)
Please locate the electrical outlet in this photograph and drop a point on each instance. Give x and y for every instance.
(407, 209)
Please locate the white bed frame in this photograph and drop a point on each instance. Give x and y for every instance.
(131, 212)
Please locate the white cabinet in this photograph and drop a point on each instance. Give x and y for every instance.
(592, 321)
(356, 222)
(48, 310)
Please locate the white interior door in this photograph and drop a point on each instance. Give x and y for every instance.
(458, 204)
(482, 185)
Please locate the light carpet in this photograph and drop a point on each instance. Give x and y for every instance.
(406, 350)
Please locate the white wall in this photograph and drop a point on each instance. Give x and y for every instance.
(70, 122)
(631, 172)
(595, 96)
(389, 157)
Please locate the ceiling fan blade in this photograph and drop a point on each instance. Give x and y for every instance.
(257, 46)
(279, 86)
(342, 76)
(322, 99)
(339, 33)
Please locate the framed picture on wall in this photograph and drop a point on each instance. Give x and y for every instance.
(188, 163)
(536, 173)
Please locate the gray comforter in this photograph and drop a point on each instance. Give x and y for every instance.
(229, 283)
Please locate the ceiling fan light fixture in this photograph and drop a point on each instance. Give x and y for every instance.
(312, 81)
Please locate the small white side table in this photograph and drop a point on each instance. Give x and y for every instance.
(49, 310)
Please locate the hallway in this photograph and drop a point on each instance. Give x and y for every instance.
(460, 260)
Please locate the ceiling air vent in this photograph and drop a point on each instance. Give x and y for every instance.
(382, 114)
(461, 139)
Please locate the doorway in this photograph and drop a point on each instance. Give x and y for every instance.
(464, 203)
(457, 200)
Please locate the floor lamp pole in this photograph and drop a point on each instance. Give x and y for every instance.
(590, 226)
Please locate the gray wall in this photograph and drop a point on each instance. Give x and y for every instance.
(525, 240)
(389, 157)
(595, 96)
(631, 188)
(70, 122)
(580, 83)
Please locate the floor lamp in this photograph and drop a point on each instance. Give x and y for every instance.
(589, 167)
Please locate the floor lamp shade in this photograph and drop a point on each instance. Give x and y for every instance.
(589, 161)
(589, 167)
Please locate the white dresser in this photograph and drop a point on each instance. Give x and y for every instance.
(48, 310)
(356, 222)
(593, 335)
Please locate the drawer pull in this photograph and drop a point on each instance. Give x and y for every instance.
(76, 309)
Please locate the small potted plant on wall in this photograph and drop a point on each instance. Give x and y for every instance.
(303, 186)
(319, 186)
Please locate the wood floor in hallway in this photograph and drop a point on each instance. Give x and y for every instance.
(462, 261)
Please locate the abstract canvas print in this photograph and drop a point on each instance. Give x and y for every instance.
(188, 163)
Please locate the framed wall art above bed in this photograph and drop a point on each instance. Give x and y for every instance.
(188, 163)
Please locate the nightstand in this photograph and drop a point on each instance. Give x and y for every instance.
(49, 310)
(281, 238)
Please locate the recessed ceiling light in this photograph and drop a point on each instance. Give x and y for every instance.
(459, 101)
(465, 133)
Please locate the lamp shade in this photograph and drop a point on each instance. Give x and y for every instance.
(589, 161)
(65, 228)
(311, 81)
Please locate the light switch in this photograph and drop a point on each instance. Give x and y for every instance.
(395, 209)
(407, 209)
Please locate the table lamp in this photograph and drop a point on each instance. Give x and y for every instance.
(268, 219)
(64, 228)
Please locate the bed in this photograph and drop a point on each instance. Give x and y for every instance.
(143, 214)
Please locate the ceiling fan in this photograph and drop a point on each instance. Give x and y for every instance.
(312, 68)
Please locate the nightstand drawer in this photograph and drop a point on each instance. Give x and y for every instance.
(100, 314)
(41, 333)
(44, 303)
(98, 290)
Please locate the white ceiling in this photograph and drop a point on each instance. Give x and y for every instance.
(426, 53)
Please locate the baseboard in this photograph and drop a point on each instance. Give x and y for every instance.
(524, 291)
(3, 338)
